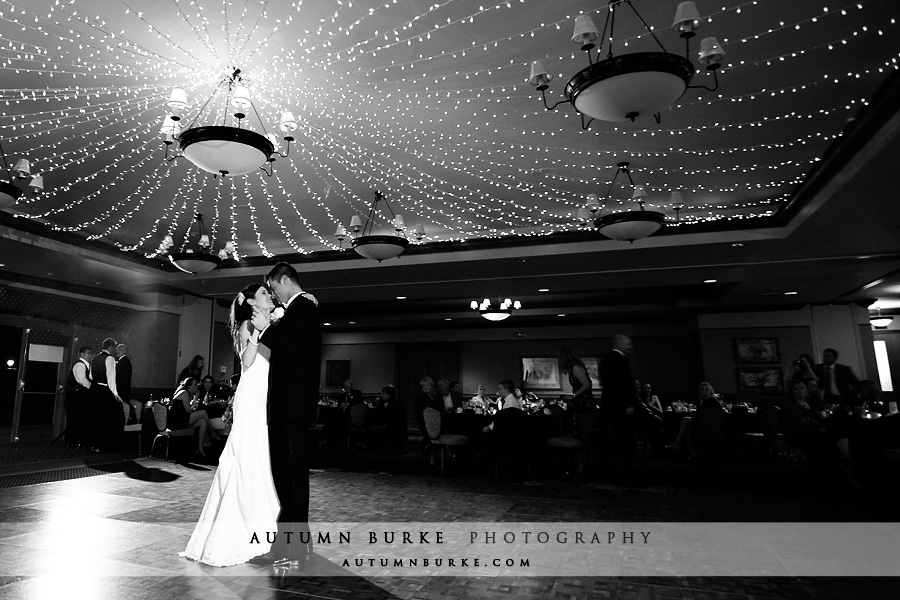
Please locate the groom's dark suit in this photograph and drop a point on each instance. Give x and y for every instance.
(296, 344)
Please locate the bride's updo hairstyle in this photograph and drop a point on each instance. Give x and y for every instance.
(241, 311)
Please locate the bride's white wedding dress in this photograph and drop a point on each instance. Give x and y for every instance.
(242, 499)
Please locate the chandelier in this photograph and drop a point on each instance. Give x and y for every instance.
(628, 225)
(628, 86)
(225, 149)
(196, 255)
(20, 180)
(498, 313)
(880, 321)
(379, 246)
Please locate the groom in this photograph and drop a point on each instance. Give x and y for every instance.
(296, 344)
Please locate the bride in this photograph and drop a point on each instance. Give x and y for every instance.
(242, 499)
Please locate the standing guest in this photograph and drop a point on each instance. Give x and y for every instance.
(571, 365)
(618, 401)
(123, 383)
(78, 389)
(194, 369)
(449, 401)
(838, 381)
(425, 400)
(395, 418)
(649, 417)
(105, 420)
(292, 399)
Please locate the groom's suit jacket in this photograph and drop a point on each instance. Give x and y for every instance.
(296, 344)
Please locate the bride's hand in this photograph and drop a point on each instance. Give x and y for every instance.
(260, 319)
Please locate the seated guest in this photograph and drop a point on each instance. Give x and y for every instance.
(506, 391)
(395, 418)
(706, 399)
(650, 400)
(183, 416)
(802, 369)
(808, 427)
(208, 400)
(479, 401)
(350, 396)
(228, 415)
(450, 401)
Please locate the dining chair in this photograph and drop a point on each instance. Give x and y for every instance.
(359, 413)
(708, 433)
(136, 428)
(445, 441)
(317, 428)
(161, 417)
(771, 434)
(515, 439)
(578, 446)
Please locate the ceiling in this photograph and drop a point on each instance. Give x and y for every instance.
(782, 169)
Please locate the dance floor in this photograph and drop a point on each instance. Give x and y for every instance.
(113, 531)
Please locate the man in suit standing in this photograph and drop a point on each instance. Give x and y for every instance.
(618, 401)
(296, 344)
(78, 388)
(105, 410)
(838, 381)
(123, 382)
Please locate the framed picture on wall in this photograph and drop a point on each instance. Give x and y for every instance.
(756, 350)
(592, 365)
(760, 380)
(336, 372)
(540, 373)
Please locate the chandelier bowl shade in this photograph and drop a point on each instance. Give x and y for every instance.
(8, 194)
(225, 150)
(625, 87)
(379, 247)
(496, 315)
(880, 321)
(194, 262)
(630, 225)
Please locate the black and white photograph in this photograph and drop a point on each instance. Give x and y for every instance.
(453, 300)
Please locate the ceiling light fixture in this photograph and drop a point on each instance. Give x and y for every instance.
(196, 255)
(879, 320)
(225, 149)
(629, 225)
(383, 245)
(628, 86)
(496, 313)
(20, 180)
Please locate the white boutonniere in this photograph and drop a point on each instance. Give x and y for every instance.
(277, 313)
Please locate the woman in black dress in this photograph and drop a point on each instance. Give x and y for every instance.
(571, 365)
(183, 416)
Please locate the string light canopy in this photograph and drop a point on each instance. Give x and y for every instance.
(196, 253)
(20, 180)
(378, 246)
(225, 149)
(500, 312)
(625, 87)
(629, 225)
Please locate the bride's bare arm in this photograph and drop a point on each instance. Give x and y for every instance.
(249, 344)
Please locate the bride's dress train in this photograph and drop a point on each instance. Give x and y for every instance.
(242, 499)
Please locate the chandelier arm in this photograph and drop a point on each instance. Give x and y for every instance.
(609, 191)
(261, 122)
(707, 88)
(544, 98)
(628, 172)
(288, 151)
(647, 27)
(609, 13)
(205, 104)
(8, 174)
(611, 18)
(268, 171)
(584, 125)
(174, 155)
